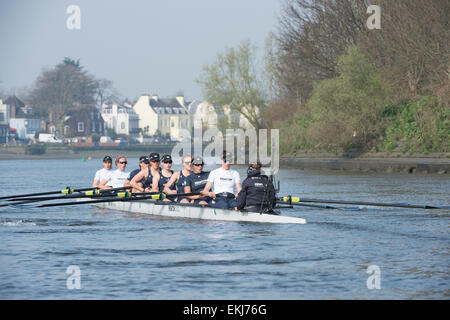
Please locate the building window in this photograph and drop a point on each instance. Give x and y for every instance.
(66, 130)
(80, 126)
(2, 116)
(122, 125)
(93, 126)
(52, 129)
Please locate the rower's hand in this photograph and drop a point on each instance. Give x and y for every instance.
(236, 209)
(236, 196)
(212, 195)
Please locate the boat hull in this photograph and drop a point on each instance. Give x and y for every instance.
(195, 212)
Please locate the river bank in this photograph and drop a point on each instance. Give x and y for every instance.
(380, 162)
(431, 163)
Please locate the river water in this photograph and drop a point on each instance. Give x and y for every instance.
(368, 253)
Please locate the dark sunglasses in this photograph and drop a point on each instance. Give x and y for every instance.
(123, 162)
(154, 161)
(199, 165)
(169, 161)
(145, 161)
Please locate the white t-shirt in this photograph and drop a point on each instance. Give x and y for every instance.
(117, 178)
(224, 180)
(102, 174)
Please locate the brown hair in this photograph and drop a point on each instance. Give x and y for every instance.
(118, 159)
(256, 165)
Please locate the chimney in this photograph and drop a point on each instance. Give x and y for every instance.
(155, 97)
(13, 111)
(180, 99)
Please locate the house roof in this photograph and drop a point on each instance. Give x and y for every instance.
(14, 101)
(193, 106)
(167, 106)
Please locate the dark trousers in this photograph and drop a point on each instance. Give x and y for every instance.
(223, 203)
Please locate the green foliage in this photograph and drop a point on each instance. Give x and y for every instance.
(95, 137)
(421, 126)
(35, 149)
(233, 80)
(347, 109)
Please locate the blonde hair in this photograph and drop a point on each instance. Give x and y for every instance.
(186, 156)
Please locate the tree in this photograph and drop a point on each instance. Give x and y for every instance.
(412, 48)
(58, 89)
(232, 80)
(312, 35)
(347, 109)
(105, 92)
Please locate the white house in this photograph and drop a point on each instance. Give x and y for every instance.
(121, 118)
(169, 116)
(203, 114)
(4, 122)
(26, 128)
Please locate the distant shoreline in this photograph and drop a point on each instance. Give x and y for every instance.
(325, 162)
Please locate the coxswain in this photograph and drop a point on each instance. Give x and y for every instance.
(145, 176)
(143, 163)
(103, 173)
(178, 179)
(118, 176)
(257, 193)
(196, 182)
(224, 181)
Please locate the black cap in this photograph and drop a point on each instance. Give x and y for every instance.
(154, 156)
(227, 157)
(144, 159)
(107, 158)
(197, 160)
(166, 157)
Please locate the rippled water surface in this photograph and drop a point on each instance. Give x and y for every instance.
(128, 256)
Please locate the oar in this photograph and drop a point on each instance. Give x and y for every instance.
(68, 190)
(292, 200)
(90, 193)
(150, 197)
(309, 205)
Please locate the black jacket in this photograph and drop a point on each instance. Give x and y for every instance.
(257, 191)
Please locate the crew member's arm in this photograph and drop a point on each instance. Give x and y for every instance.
(242, 197)
(187, 189)
(206, 193)
(238, 183)
(103, 185)
(155, 182)
(169, 183)
(95, 183)
(137, 187)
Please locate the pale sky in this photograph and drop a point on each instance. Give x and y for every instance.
(154, 47)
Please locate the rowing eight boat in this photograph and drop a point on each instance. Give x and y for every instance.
(179, 210)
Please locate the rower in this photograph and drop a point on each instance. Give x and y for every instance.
(118, 176)
(224, 180)
(103, 173)
(146, 175)
(196, 182)
(257, 193)
(161, 178)
(178, 178)
(143, 163)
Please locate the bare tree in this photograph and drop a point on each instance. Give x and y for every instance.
(312, 35)
(412, 48)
